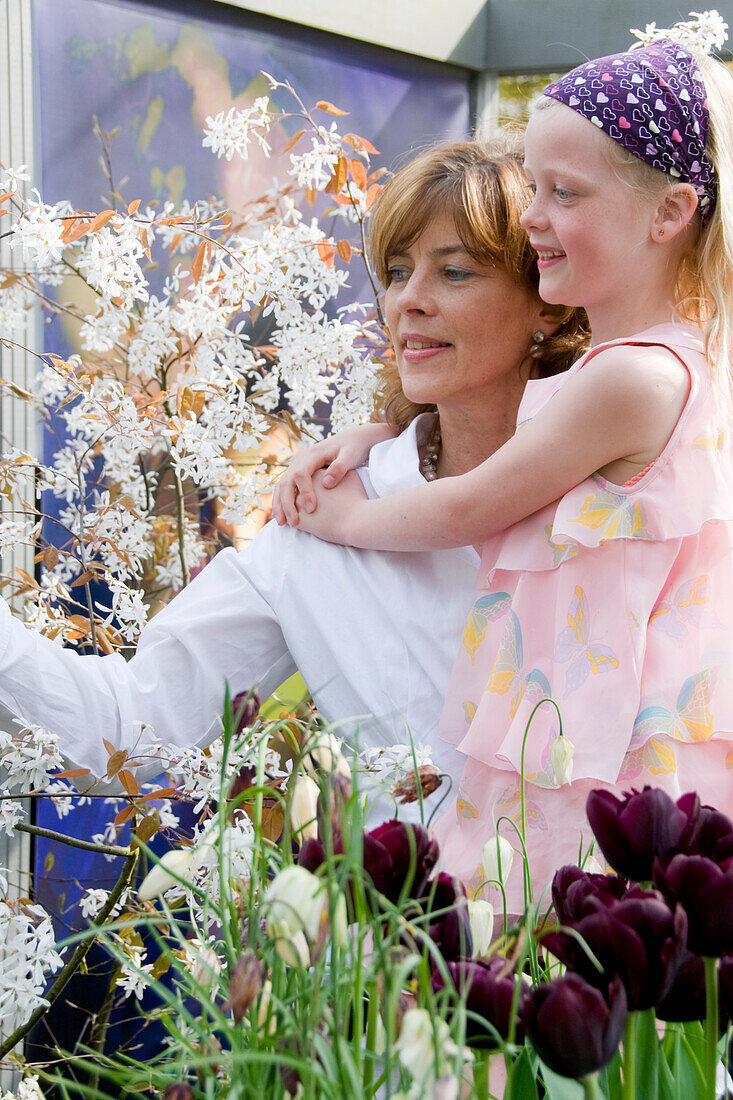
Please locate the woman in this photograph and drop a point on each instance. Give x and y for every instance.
(373, 634)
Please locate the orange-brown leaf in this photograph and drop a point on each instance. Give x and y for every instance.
(72, 773)
(338, 179)
(115, 762)
(327, 252)
(133, 206)
(344, 250)
(372, 194)
(324, 105)
(88, 575)
(293, 141)
(108, 746)
(144, 241)
(101, 220)
(197, 267)
(164, 792)
(148, 827)
(358, 172)
(50, 557)
(356, 141)
(128, 781)
(125, 814)
(76, 228)
(310, 195)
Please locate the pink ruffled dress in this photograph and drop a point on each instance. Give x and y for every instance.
(616, 601)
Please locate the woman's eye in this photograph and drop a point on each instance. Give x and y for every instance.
(396, 275)
(456, 274)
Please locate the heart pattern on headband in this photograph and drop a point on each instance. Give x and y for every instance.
(653, 102)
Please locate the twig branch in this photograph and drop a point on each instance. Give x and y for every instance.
(76, 959)
(62, 838)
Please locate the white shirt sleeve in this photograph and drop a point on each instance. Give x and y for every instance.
(220, 629)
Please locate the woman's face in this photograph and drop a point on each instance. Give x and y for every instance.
(461, 329)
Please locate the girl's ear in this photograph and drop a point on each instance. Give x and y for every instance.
(675, 211)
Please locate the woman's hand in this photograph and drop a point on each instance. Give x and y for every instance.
(294, 493)
(336, 509)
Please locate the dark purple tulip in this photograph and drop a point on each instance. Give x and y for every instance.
(685, 998)
(575, 892)
(312, 854)
(572, 1026)
(634, 830)
(450, 927)
(399, 858)
(705, 892)
(639, 938)
(489, 992)
(712, 837)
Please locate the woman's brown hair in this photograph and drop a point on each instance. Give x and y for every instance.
(482, 185)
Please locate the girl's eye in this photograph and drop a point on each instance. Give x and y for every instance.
(562, 194)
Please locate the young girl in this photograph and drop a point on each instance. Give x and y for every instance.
(607, 520)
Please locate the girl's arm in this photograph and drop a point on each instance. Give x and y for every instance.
(623, 404)
(347, 450)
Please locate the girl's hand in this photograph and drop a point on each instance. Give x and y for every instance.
(336, 509)
(294, 493)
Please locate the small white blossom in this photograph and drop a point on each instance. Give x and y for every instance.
(704, 32)
(229, 135)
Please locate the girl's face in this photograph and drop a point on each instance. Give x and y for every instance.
(459, 327)
(591, 231)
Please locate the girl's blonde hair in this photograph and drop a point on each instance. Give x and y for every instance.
(482, 186)
(704, 287)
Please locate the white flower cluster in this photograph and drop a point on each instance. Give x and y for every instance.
(28, 1089)
(27, 957)
(29, 759)
(38, 232)
(229, 134)
(704, 32)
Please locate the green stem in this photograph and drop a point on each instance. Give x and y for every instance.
(481, 1075)
(629, 1059)
(372, 993)
(711, 1025)
(591, 1088)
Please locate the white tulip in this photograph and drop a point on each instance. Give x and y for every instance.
(424, 1047)
(296, 905)
(163, 875)
(304, 808)
(497, 857)
(561, 758)
(481, 921)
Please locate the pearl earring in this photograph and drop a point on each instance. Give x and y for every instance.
(537, 339)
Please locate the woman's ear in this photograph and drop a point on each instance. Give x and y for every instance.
(675, 211)
(550, 319)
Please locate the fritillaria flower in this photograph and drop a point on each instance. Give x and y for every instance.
(496, 858)
(171, 867)
(638, 828)
(573, 1026)
(181, 1090)
(488, 989)
(245, 985)
(705, 892)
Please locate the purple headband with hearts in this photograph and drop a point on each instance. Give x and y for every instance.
(653, 102)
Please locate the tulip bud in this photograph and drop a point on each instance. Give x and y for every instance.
(163, 875)
(562, 751)
(497, 859)
(180, 1091)
(324, 751)
(572, 1026)
(304, 808)
(244, 985)
(399, 857)
(705, 892)
(245, 708)
(488, 989)
(481, 920)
